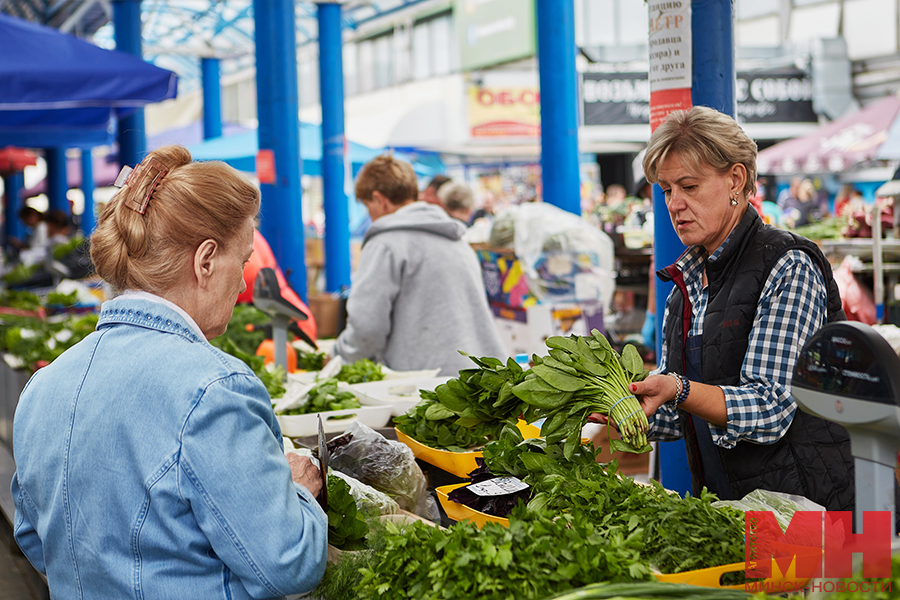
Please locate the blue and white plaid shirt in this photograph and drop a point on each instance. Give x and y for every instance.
(792, 307)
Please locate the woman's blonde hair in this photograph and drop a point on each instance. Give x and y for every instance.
(393, 178)
(702, 135)
(191, 203)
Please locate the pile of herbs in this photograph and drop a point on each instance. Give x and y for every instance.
(584, 375)
(347, 528)
(676, 534)
(310, 361)
(359, 372)
(539, 554)
(468, 411)
(323, 397)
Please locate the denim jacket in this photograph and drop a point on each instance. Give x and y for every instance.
(150, 465)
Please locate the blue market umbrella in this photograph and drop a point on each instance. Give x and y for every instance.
(58, 90)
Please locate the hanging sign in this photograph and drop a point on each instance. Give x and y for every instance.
(670, 58)
(265, 166)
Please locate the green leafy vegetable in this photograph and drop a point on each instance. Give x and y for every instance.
(347, 529)
(60, 251)
(310, 361)
(324, 397)
(467, 411)
(360, 371)
(584, 375)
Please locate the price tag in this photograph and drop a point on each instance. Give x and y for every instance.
(499, 486)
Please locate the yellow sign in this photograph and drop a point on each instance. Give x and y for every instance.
(504, 112)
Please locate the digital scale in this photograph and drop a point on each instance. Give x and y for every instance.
(849, 374)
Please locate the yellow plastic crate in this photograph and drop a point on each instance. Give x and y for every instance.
(461, 512)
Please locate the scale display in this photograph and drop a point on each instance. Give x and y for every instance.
(845, 359)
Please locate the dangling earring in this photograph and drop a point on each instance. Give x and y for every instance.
(734, 201)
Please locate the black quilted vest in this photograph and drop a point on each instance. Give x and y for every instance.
(813, 457)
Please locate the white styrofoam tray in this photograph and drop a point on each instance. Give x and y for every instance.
(304, 425)
(400, 394)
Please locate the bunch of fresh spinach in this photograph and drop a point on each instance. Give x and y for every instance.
(584, 375)
(361, 371)
(347, 529)
(469, 410)
(324, 397)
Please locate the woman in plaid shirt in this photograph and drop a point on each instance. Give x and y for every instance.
(747, 296)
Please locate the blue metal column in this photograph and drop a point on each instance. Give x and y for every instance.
(559, 119)
(57, 179)
(713, 85)
(279, 131)
(88, 216)
(212, 98)
(331, 92)
(127, 25)
(12, 190)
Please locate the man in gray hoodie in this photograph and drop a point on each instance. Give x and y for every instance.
(418, 295)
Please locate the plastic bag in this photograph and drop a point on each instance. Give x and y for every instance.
(858, 302)
(388, 466)
(369, 500)
(565, 258)
(783, 506)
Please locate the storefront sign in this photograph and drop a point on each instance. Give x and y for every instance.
(670, 57)
(770, 96)
(504, 111)
(493, 31)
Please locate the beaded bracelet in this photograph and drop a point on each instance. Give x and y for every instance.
(684, 388)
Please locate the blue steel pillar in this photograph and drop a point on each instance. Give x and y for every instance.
(212, 98)
(12, 190)
(713, 85)
(279, 131)
(57, 179)
(331, 92)
(559, 103)
(127, 25)
(88, 216)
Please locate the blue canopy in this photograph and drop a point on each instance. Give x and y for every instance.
(58, 90)
(240, 150)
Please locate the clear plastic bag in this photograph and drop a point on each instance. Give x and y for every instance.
(565, 258)
(369, 500)
(388, 466)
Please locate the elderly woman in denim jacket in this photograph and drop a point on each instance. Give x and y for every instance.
(150, 464)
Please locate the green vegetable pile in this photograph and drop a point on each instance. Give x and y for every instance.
(537, 555)
(469, 410)
(675, 534)
(34, 339)
(347, 528)
(360, 372)
(60, 251)
(325, 396)
(20, 273)
(650, 591)
(310, 361)
(585, 375)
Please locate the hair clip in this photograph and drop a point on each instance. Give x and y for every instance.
(143, 180)
(122, 179)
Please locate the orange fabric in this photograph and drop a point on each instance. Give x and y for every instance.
(262, 257)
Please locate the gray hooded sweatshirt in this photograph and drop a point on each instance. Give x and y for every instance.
(418, 296)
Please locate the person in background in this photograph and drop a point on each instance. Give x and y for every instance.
(842, 200)
(418, 295)
(59, 229)
(806, 208)
(150, 463)
(487, 209)
(747, 296)
(429, 194)
(458, 200)
(33, 219)
(788, 196)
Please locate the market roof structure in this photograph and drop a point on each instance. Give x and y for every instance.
(175, 34)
